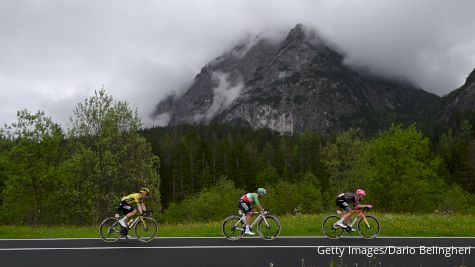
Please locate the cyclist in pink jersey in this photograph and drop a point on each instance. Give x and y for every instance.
(354, 198)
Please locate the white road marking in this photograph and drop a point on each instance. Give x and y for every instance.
(172, 247)
(213, 247)
(280, 237)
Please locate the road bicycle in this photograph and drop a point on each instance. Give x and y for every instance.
(145, 228)
(268, 226)
(368, 226)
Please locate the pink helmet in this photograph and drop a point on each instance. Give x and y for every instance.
(361, 192)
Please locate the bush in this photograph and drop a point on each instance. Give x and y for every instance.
(210, 204)
(301, 197)
(456, 200)
(402, 172)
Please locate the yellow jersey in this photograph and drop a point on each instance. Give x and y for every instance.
(132, 198)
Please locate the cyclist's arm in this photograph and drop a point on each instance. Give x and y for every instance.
(139, 207)
(359, 206)
(259, 206)
(143, 207)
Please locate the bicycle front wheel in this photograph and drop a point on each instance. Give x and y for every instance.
(369, 228)
(268, 227)
(110, 229)
(146, 229)
(233, 227)
(329, 227)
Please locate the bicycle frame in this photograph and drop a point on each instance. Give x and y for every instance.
(360, 215)
(135, 221)
(256, 220)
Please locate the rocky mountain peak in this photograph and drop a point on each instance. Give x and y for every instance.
(471, 78)
(297, 84)
(296, 33)
(459, 101)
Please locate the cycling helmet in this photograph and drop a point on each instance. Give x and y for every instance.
(261, 191)
(361, 192)
(144, 191)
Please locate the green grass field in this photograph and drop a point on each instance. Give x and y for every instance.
(300, 225)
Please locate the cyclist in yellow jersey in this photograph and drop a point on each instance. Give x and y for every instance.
(127, 203)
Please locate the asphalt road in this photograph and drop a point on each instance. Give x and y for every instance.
(284, 251)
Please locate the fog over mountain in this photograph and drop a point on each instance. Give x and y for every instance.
(297, 84)
(55, 53)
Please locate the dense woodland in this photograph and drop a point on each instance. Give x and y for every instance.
(204, 169)
(50, 175)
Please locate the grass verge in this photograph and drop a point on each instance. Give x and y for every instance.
(298, 225)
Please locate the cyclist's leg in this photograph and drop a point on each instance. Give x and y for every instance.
(249, 216)
(128, 211)
(246, 209)
(346, 211)
(345, 218)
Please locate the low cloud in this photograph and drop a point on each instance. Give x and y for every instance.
(55, 53)
(162, 119)
(224, 94)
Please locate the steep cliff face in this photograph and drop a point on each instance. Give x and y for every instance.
(459, 101)
(289, 86)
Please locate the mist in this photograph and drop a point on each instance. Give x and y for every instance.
(56, 53)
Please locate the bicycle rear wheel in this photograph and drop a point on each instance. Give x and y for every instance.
(146, 229)
(370, 230)
(110, 229)
(269, 230)
(233, 227)
(329, 227)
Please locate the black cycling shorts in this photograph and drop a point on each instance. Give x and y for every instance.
(244, 207)
(341, 203)
(125, 208)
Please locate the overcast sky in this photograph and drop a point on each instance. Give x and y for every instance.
(55, 53)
